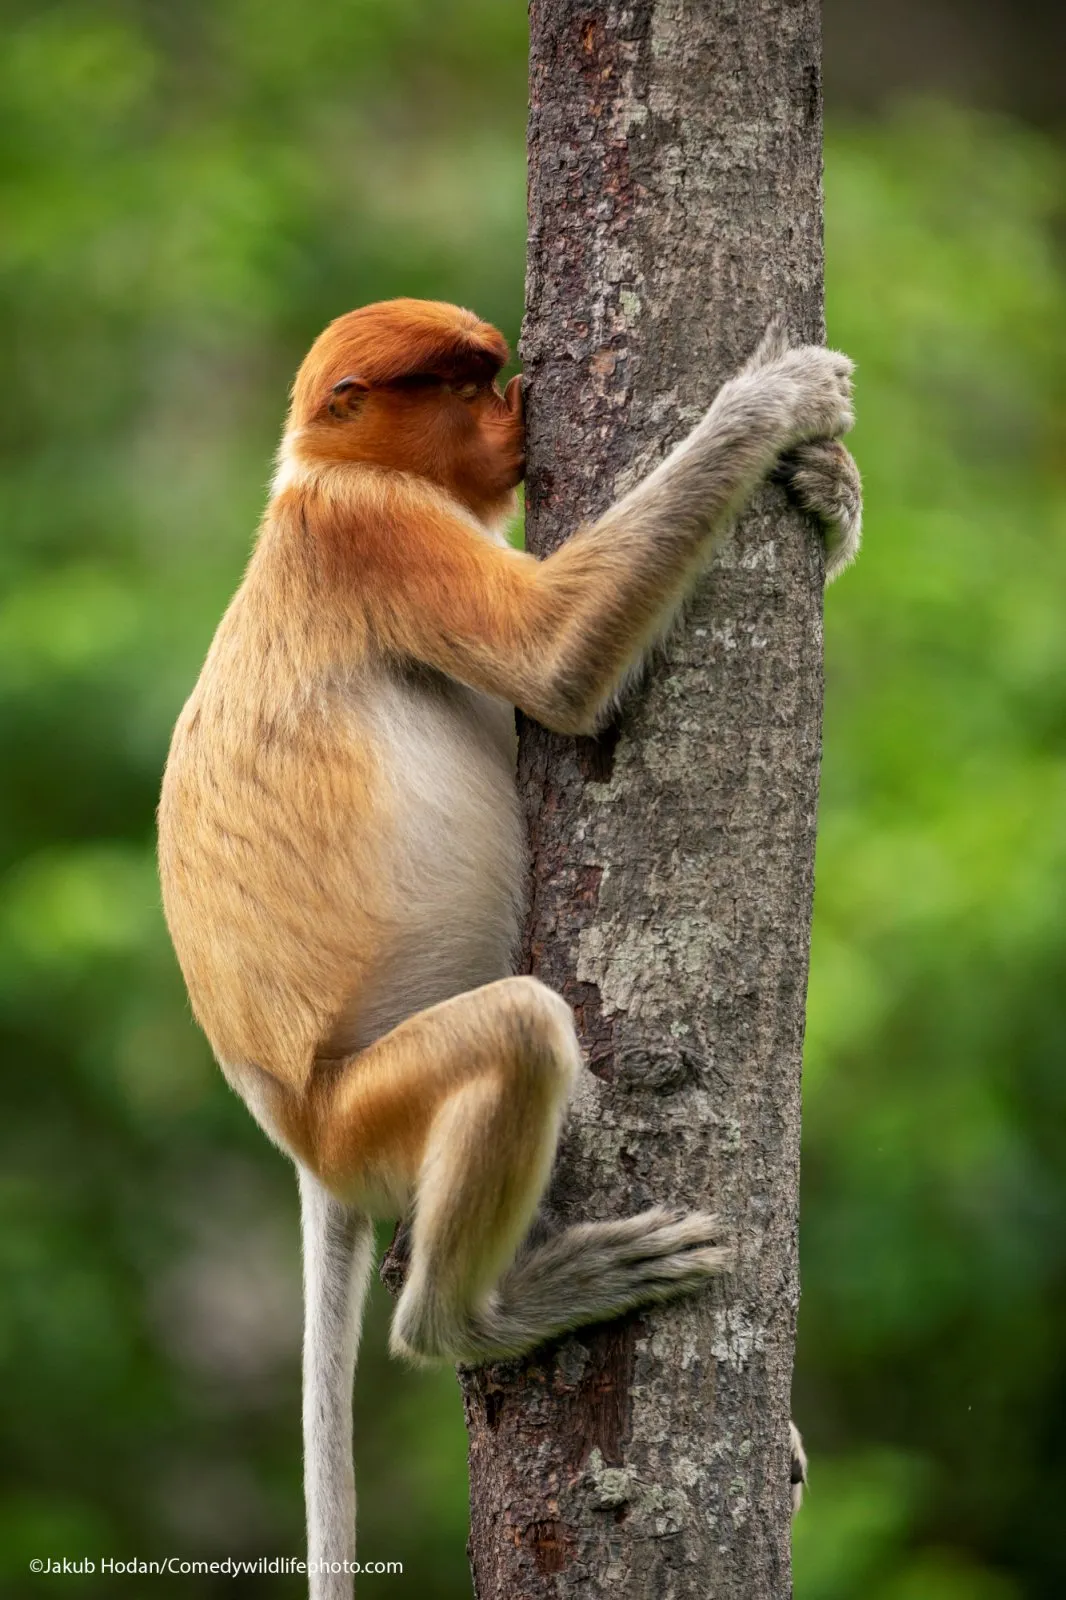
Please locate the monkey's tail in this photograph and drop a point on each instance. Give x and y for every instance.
(338, 1246)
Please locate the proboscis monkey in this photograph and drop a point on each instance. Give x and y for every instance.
(341, 849)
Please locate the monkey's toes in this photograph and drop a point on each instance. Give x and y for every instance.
(681, 1249)
(798, 1472)
(664, 1231)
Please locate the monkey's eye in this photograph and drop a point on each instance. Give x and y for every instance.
(466, 391)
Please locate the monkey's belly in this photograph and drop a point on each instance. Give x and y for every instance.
(455, 858)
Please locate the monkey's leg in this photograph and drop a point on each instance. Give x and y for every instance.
(461, 1105)
(458, 1107)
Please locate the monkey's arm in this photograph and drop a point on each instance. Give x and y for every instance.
(557, 637)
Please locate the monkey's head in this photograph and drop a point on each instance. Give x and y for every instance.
(411, 384)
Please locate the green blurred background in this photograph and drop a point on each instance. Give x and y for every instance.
(188, 194)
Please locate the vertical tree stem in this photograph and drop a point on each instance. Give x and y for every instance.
(674, 204)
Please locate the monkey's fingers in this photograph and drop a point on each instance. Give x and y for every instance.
(820, 476)
(771, 347)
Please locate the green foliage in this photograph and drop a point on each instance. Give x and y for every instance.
(934, 1213)
(189, 193)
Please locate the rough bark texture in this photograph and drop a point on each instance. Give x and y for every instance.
(675, 160)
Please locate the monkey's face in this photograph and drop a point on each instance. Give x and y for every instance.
(484, 450)
(460, 432)
(411, 384)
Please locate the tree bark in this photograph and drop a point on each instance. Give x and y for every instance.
(674, 205)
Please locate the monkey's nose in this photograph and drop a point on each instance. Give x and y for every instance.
(514, 394)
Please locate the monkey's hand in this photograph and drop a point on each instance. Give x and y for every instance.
(818, 473)
(820, 476)
(804, 391)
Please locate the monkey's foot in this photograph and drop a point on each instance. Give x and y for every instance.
(821, 477)
(798, 1475)
(593, 1272)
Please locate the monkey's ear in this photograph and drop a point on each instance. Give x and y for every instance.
(347, 397)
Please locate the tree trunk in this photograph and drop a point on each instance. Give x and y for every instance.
(674, 202)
